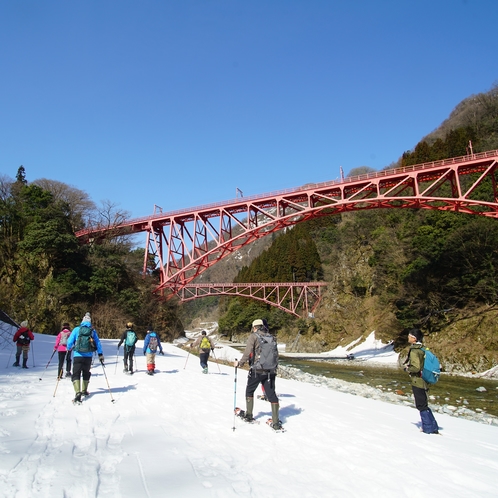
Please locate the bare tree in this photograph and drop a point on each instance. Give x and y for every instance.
(81, 207)
(108, 216)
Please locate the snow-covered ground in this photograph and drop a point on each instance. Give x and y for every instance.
(174, 435)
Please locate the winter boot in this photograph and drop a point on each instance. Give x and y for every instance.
(77, 398)
(68, 374)
(84, 388)
(249, 409)
(16, 364)
(125, 369)
(24, 363)
(276, 424)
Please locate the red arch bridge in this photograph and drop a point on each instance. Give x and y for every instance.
(183, 244)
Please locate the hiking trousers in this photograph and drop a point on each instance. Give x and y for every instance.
(266, 379)
(81, 366)
(129, 353)
(64, 355)
(203, 357)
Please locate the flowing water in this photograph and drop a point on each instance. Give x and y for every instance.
(451, 390)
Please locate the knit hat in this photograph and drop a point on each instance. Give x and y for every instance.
(203, 332)
(417, 333)
(87, 318)
(24, 324)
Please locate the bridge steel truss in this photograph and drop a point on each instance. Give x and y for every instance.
(289, 296)
(183, 244)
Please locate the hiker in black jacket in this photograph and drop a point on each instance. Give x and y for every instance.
(129, 337)
(259, 372)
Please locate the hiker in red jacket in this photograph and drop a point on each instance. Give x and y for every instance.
(23, 337)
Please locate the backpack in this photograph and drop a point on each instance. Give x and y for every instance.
(85, 342)
(205, 344)
(153, 343)
(64, 337)
(432, 367)
(266, 357)
(131, 338)
(24, 339)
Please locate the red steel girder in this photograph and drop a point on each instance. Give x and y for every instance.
(285, 296)
(184, 243)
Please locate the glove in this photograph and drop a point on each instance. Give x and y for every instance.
(161, 353)
(101, 358)
(212, 350)
(118, 348)
(145, 353)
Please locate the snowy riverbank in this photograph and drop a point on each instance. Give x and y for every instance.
(174, 434)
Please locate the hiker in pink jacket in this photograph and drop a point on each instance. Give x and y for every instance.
(61, 348)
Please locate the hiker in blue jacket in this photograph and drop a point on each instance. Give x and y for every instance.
(129, 337)
(84, 341)
(152, 343)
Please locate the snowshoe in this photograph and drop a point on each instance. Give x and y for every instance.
(277, 426)
(68, 374)
(205, 370)
(242, 414)
(150, 372)
(77, 399)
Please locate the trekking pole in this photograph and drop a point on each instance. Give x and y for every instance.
(117, 359)
(10, 356)
(219, 370)
(57, 384)
(108, 386)
(234, 397)
(186, 360)
(33, 356)
(47, 365)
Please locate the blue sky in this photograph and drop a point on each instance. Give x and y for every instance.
(178, 103)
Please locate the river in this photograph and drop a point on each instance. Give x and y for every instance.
(451, 389)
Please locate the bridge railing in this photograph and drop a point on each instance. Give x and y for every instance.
(350, 179)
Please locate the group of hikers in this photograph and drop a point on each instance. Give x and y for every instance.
(82, 343)
(261, 353)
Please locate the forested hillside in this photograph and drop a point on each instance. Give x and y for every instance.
(47, 277)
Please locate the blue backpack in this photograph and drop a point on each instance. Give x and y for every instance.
(432, 367)
(131, 338)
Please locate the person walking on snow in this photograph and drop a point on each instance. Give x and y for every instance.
(61, 348)
(152, 343)
(129, 337)
(85, 341)
(205, 346)
(259, 372)
(23, 338)
(414, 365)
